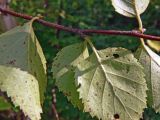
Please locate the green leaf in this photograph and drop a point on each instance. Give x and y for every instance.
(127, 7)
(23, 89)
(21, 49)
(63, 70)
(112, 82)
(4, 104)
(152, 71)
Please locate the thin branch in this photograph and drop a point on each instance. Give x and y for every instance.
(54, 104)
(45, 4)
(59, 19)
(132, 33)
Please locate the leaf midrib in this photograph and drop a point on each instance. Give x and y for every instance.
(108, 80)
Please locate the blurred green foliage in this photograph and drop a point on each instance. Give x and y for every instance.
(84, 14)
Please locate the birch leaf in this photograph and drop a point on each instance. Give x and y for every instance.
(23, 89)
(115, 85)
(127, 7)
(63, 70)
(152, 71)
(21, 49)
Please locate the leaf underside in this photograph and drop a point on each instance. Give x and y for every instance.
(152, 71)
(116, 85)
(63, 70)
(127, 7)
(22, 87)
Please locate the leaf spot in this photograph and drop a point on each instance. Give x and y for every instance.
(90, 110)
(115, 55)
(97, 83)
(12, 62)
(116, 116)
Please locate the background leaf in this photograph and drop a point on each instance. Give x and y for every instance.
(127, 7)
(23, 89)
(152, 71)
(63, 70)
(116, 85)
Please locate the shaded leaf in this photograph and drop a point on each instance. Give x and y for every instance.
(127, 7)
(21, 49)
(4, 104)
(63, 70)
(145, 60)
(23, 89)
(115, 85)
(152, 71)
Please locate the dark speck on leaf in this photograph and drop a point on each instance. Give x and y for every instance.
(12, 62)
(115, 55)
(90, 110)
(97, 83)
(116, 116)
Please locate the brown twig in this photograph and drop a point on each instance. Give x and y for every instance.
(45, 5)
(59, 19)
(54, 104)
(132, 33)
